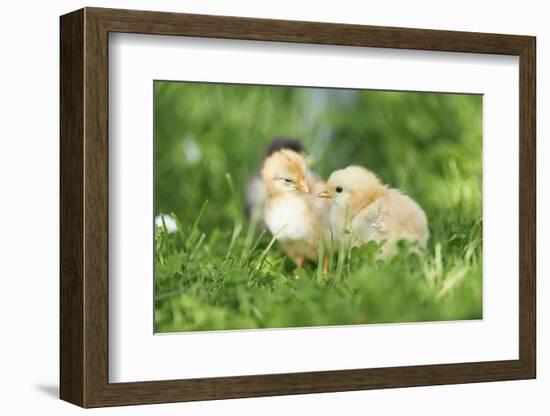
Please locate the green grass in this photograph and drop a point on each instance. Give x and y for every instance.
(217, 271)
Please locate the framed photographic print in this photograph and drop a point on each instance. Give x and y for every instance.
(255, 207)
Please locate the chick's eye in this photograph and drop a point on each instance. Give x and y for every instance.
(339, 189)
(288, 180)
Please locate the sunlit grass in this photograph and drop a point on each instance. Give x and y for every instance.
(255, 286)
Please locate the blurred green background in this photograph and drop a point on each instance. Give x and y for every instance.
(221, 273)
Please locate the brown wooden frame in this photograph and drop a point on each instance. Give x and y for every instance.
(84, 207)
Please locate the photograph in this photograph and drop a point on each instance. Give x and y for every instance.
(299, 206)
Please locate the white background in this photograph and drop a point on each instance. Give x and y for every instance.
(131, 112)
(29, 183)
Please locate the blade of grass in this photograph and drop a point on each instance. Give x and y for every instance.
(342, 249)
(321, 258)
(237, 228)
(237, 211)
(340, 262)
(249, 237)
(266, 251)
(193, 235)
(197, 246)
(253, 249)
(330, 253)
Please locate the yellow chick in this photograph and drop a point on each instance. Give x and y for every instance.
(292, 213)
(255, 193)
(373, 211)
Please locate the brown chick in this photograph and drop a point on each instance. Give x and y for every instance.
(372, 210)
(292, 213)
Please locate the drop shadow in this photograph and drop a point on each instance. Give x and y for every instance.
(51, 390)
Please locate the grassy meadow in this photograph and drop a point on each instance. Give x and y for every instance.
(217, 271)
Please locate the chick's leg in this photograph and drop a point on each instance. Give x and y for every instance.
(325, 267)
(300, 260)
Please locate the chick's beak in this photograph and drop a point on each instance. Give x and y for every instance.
(325, 194)
(302, 187)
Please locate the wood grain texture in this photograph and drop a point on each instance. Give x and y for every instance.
(71, 219)
(226, 27)
(84, 207)
(527, 207)
(96, 208)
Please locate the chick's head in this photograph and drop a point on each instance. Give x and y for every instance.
(354, 187)
(284, 171)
